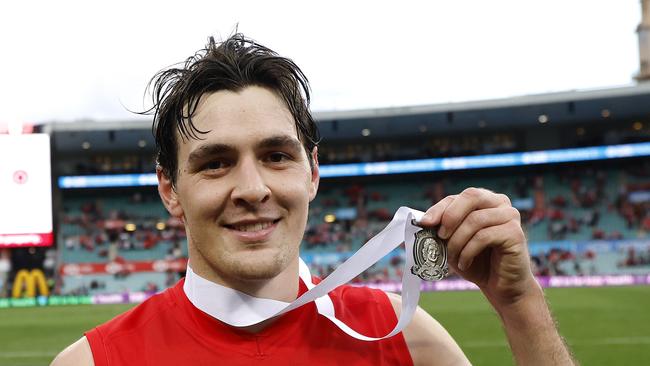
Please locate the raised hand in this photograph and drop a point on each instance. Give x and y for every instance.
(486, 245)
(485, 241)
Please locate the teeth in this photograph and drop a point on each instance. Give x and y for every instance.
(253, 227)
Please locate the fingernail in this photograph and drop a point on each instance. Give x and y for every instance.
(461, 266)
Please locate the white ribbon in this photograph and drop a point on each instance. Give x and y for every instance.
(240, 310)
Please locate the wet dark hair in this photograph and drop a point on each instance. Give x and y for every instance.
(234, 64)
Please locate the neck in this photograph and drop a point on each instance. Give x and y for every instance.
(281, 287)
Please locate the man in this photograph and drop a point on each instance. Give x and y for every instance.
(238, 163)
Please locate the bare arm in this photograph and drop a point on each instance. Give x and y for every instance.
(532, 333)
(487, 246)
(76, 354)
(428, 342)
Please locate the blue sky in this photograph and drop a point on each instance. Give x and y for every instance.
(73, 60)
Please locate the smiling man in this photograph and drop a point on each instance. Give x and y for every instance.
(238, 164)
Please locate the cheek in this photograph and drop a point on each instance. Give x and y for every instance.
(202, 199)
(293, 192)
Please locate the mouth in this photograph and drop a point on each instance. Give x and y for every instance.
(253, 231)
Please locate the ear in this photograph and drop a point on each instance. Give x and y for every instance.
(315, 174)
(168, 194)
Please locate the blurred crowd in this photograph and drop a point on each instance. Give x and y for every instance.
(111, 232)
(567, 204)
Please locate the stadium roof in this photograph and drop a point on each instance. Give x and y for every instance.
(642, 89)
(520, 112)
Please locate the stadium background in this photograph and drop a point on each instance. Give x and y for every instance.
(575, 164)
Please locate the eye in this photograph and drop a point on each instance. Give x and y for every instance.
(278, 157)
(214, 165)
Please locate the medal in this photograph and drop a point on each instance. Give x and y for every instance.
(429, 255)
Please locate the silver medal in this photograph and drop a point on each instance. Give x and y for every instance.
(429, 255)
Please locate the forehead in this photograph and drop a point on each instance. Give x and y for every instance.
(241, 117)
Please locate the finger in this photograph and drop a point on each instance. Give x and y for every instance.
(467, 201)
(476, 221)
(434, 213)
(488, 237)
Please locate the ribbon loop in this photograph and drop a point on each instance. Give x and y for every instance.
(240, 310)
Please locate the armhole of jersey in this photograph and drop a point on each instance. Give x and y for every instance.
(97, 348)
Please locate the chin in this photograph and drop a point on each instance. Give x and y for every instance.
(265, 267)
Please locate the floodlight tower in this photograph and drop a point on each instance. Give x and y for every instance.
(643, 31)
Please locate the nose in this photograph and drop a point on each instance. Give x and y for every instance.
(250, 187)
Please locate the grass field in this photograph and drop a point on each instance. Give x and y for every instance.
(603, 326)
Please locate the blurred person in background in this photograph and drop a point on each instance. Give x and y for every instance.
(5, 268)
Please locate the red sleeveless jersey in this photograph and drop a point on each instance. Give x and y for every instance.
(168, 330)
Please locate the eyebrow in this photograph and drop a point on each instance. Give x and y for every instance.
(278, 141)
(206, 150)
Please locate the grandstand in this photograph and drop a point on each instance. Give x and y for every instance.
(575, 164)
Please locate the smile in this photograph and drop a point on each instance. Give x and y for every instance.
(253, 227)
(253, 231)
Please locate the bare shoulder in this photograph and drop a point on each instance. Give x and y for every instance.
(76, 354)
(427, 340)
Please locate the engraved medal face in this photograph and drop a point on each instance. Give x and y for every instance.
(430, 256)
